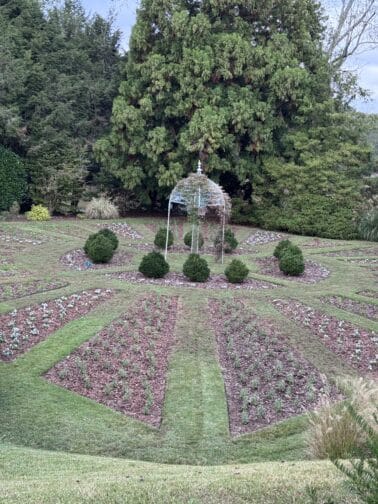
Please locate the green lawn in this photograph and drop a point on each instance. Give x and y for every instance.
(35, 414)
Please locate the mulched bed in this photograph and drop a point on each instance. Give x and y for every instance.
(179, 280)
(355, 345)
(353, 252)
(319, 243)
(122, 229)
(22, 329)
(266, 380)
(125, 365)
(365, 309)
(367, 262)
(263, 237)
(22, 238)
(77, 260)
(17, 290)
(369, 293)
(313, 273)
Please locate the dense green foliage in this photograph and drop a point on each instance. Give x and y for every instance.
(230, 243)
(153, 265)
(281, 248)
(88, 241)
(188, 239)
(196, 268)
(236, 271)
(111, 236)
(38, 213)
(161, 238)
(292, 261)
(60, 73)
(99, 249)
(12, 179)
(368, 226)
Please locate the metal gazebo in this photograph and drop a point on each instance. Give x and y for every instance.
(198, 194)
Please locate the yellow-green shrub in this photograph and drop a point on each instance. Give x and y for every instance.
(38, 213)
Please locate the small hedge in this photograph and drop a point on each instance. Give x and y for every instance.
(110, 235)
(291, 261)
(99, 248)
(161, 238)
(38, 213)
(236, 271)
(153, 265)
(196, 268)
(281, 247)
(188, 240)
(230, 242)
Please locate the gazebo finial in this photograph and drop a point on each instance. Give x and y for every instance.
(199, 169)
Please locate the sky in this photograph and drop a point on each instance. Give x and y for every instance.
(366, 63)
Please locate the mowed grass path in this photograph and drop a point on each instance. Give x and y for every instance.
(194, 430)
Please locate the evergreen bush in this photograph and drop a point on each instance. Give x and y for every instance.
(196, 268)
(153, 265)
(99, 249)
(110, 235)
(161, 237)
(88, 242)
(188, 240)
(236, 271)
(12, 179)
(38, 213)
(230, 242)
(291, 261)
(281, 248)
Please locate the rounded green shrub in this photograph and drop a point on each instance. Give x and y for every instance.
(100, 249)
(153, 265)
(161, 237)
(196, 268)
(188, 239)
(38, 213)
(110, 235)
(236, 271)
(292, 262)
(230, 242)
(12, 179)
(281, 247)
(88, 242)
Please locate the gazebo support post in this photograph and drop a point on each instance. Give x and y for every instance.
(168, 223)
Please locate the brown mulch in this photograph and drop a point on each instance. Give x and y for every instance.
(314, 272)
(19, 289)
(266, 379)
(124, 366)
(367, 310)
(369, 293)
(77, 260)
(122, 229)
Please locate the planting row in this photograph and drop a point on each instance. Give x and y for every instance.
(21, 329)
(266, 380)
(18, 289)
(125, 365)
(357, 346)
(367, 310)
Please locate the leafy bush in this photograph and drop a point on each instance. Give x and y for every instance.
(281, 248)
(101, 208)
(291, 261)
(12, 179)
(188, 240)
(110, 235)
(161, 238)
(230, 242)
(368, 227)
(88, 242)
(153, 265)
(38, 213)
(196, 268)
(236, 271)
(99, 249)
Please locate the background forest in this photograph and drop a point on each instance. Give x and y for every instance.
(249, 87)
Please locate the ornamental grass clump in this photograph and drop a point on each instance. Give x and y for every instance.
(236, 271)
(161, 238)
(281, 248)
(368, 226)
(196, 268)
(291, 261)
(99, 249)
(188, 240)
(101, 208)
(38, 213)
(153, 265)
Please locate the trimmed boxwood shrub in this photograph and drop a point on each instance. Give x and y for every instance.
(100, 249)
(161, 237)
(196, 268)
(236, 271)
(292, 262)
(188, 239)
(38, 213)
(89, 240)
(110, 235)
(12, 179)
(281, 247)
(230, 242)
(153, 265)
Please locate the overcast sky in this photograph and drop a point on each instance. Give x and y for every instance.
(366, 63)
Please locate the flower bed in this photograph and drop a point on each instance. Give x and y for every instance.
(266, 380)
(369, 293)
(367, 310)
(353, 252)
(17, 290)
(355, 345)
(77, 260)
(22, 238)
(125, 365)
(122, 229)
(22, 329)
(263, 237)
(313, 273)
(179, 280)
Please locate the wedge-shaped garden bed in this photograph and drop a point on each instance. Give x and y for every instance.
(368, 310)
(125, 365)
(355, 345)
(313, 273)
(122, 229)
(266, 380)
(19, 289)
(21, 329)
(77, 260)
